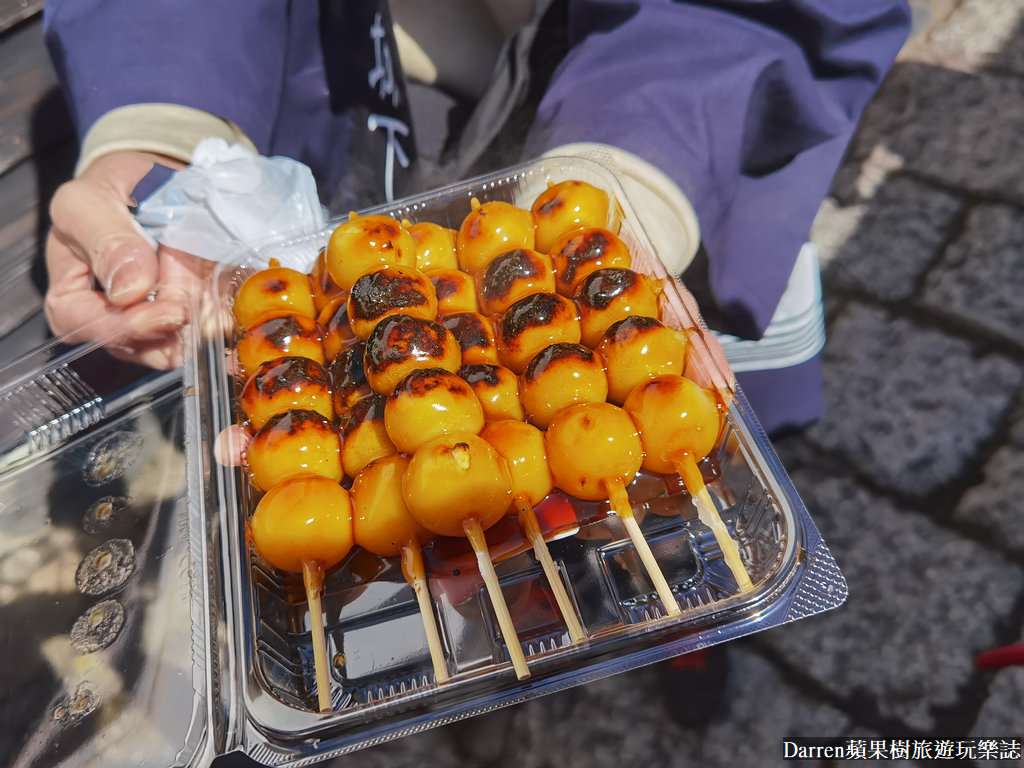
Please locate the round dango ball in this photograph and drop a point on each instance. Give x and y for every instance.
(382, 521)
(559, 376)
(386, 291)
(400, 344)
(675, 416)
(497, 389)
(455, 291)
(427, 403)
(523, 448)
(533, 323)
(454, 477)
(365, 243)
(489, 229)
(578, 253)
(591, 444)
(608, 295)
(565, 206)
(307, 519)
(364, 436)
(273, 291)
(435, 246)
(475, 334)
(514, 275)
(279, 336)
(293, 443)
(348, 378)
(638, 348)
(286, 384)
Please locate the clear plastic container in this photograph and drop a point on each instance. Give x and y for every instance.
(214, 650)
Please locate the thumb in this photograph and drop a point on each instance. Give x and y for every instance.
(95, 223)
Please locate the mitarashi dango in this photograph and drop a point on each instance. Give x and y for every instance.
(273, 291)
(638, 348)
(514, 275)
(386, 291)
(608, 295)
(476, 337)
(577, 253)
(278, 336)
(497, 388)
(489, 229)
(293, 443)
(285, 384)
(435, 246)
(566, 206)
(533, 323)
(400, 344)
(427, 403)
(365, 243)
(561, 375)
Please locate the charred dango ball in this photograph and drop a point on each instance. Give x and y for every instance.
(382, 521)
(675, 416)
(489, 229)
(427, 403)
(365, 243)
(348, 378)
(324, 288)
(475, 334)
(278, 336)
(457, 476)
(609, 295)
(533, 323)
(523, 448)
(590, 446)
(514, 275)
(307, 519)
(638, 348)
(335, 328)
(388, 291)
(435, 246)
(455, 290)
(285, 384)
(364, 436)
(293, 443)
(275, 290)
(400, 344)
(565, 206)
(580, 252)
(559, 376)
(497, 389)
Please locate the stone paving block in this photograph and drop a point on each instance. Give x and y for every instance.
(908, 405)
(923, 602)
(957, 128)
(981, 34)
(898, 234)
(981, 276)
(994, 505)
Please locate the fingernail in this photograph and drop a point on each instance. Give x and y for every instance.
(126, 279)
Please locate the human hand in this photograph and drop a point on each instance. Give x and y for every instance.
(105, 279)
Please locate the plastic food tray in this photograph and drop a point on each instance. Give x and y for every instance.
(213, 651)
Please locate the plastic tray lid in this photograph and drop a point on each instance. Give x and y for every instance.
(102, 575)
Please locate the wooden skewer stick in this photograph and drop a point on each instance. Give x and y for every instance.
(531, 527)
(624, 509)
(686, 468)
(416, 575)
(313, 579)
(475, 533)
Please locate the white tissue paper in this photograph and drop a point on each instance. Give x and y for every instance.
(231, 197)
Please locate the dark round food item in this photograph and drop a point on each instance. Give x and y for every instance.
(286, 384)
(475, 334)
(514, 275)
(391, 290)
(348, 378)
(98, 627)
(533, 323)
(106, 568)
(402, 343)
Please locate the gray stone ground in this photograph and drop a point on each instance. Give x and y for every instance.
(915, 475)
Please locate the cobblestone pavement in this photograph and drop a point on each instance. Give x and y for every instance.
(913, 477)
